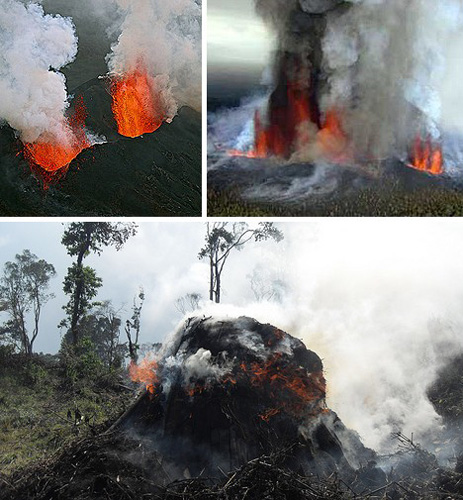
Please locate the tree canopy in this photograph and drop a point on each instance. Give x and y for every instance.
(23, 289)
(81, 282)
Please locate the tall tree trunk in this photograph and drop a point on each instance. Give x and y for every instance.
(217, 284)
(211, 283)
(133, 353)
(79, 288)
(25, 338)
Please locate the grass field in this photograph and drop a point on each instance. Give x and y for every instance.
(38, 410)
(388, 202)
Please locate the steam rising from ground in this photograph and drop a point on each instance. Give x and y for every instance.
(33, 48)
(381, 305)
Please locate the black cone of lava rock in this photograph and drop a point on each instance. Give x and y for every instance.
(227, 391)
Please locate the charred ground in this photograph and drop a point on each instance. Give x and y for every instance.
(123, 461)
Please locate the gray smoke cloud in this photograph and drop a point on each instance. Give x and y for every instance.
(386, 64)
(166, 38)
(389, 59)
(381, 305)
(33, 48)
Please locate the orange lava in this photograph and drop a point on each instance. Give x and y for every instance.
(427, 156)
(331, 138)
(145, 373)
(53, 155)
(296, 127)
(136, 107)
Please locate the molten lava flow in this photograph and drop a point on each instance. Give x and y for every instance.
(135, 105)
(145, 372)
(427, 156)
(52, 155)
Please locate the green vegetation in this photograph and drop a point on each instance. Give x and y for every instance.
(81, 283)
(48, 400)
(390, 201)
(41, 409)
(23, 288)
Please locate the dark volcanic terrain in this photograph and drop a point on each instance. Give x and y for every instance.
(252, 186)
(157, 174)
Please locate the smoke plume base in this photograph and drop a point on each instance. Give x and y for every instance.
(53, 155)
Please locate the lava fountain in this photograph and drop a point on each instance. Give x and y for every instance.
(294, 122)
(52, 154)
(427, 156)
(136, 106)
(329, 100)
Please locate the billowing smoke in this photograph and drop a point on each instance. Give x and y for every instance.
(389, 59)
(163, 38)
(381, 305)
(379, 63)
(33, 48)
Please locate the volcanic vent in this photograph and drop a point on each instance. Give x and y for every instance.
(352, 103)
(225, 392)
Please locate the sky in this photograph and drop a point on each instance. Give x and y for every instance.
(162, 258)
(379, 300)
(236, 36)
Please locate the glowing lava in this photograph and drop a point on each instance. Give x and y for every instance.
(52, 155)
(295, 127)
(427, 156)
(136, 107)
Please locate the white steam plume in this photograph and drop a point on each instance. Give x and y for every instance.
(33, 47)
(381, 305)
(165, 37)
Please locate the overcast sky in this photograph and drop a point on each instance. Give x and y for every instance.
(236, 36)
(380, 300)
(161, 258)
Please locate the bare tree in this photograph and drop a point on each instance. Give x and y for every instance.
(267, 285)
(189, 302)
(221, 238)
(132, 325)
